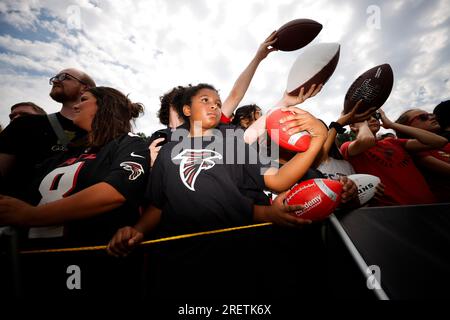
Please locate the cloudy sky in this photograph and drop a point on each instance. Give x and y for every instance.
(144, 48)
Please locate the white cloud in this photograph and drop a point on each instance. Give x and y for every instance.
(22, 15)
(36, 50)
(438, 16)
(147, 47)
(434, 41)
(20, 87)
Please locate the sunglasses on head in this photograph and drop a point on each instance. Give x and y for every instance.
(63, 76)
(422, 117)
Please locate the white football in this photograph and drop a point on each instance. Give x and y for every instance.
(314, 66)
(367, 185)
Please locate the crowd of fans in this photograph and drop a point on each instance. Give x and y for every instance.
(80, 176)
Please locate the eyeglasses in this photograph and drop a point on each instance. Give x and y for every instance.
(63, 76)
(422, 117)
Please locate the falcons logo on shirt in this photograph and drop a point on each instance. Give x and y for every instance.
(135, 168)
(193, 162)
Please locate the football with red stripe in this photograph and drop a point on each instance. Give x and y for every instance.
(298, 142)
(319, 198)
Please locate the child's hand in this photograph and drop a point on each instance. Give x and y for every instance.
(300, 120)
(349, 190)
(356, 115)
(387, 123)
(124, 241)
(266, 47)
(288, 100)
(282, 213)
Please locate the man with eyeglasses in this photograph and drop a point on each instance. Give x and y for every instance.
(389, 159)
(67, 87)
(28, 141)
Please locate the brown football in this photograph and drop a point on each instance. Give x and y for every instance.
(296, 34)
(373, 87)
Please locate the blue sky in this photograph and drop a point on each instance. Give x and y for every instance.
(145, 48)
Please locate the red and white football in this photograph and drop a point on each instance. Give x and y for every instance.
(373, 86)
(296, 34)
(314, 66)
(319, 198)
(298, 142)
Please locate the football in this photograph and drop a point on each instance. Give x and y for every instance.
(296, 34)
(373, 87)
(367, 185)
(298, 142)
(319, 198)
(314, 66)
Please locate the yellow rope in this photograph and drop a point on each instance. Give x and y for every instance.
(183, 236)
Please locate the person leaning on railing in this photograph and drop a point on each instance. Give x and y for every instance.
(84, 194)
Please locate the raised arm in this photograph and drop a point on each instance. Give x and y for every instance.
(364, 139)
(243, 81)
(435, 165)
(421, 139)
(282, 179)
(259, 126)
(345, 119)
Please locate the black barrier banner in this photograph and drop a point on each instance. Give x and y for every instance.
(407, 248)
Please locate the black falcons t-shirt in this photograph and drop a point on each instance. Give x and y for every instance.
(32, 140)
(207, 183)
(123, 163)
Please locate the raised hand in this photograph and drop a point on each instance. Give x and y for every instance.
(386, 122)
(301, 120)
(266, 47)
(289, 100)
(356, 115)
